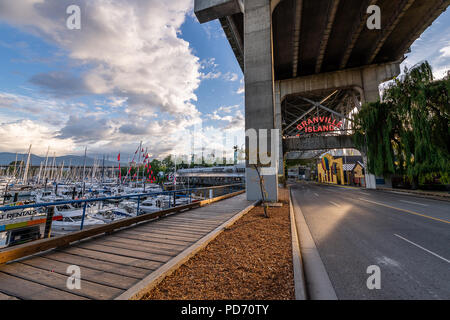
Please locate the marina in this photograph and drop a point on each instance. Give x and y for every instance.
(115, 264)
(54, 199)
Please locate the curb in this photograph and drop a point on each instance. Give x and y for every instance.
(142, 287)
(299, 277)
(318, 283)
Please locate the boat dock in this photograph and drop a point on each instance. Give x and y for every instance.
(116, 264)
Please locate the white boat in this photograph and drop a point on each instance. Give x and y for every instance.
(71, 219)
(112, 214)
(21, 225)
(151, 205)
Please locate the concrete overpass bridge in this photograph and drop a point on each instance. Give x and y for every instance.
(306, 59)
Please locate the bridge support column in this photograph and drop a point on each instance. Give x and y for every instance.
(259, 88)
(278, 125)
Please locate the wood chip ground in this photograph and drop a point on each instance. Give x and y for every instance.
(250, 260)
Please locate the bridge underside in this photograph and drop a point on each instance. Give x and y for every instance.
(311, 37)
(318, 58)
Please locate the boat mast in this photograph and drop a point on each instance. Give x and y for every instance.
(46, 161)
(53, 173)
(15, 167)
(25, 174)
(138, 162)
(39, 175)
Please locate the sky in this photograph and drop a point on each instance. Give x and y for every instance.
(135, 71)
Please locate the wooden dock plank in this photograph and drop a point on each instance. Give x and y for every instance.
(149, 237)
(169, 223)
(196, 222)
(145, 243)
(29, 290)
(174, 229)
(162, 226)
(114, 263)
(140, 247)
(92, 275)
(150, 265)
(116, 268)
(4, 297)
(126, 252)
(164, 235)
(57, 281)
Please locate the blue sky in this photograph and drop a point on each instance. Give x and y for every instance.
(136, 71)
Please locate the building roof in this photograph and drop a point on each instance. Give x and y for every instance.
(349, 159)
(349, 166)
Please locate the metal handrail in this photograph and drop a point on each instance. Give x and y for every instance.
(139, 195)
(48, 204)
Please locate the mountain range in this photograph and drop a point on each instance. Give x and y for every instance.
(8, 157)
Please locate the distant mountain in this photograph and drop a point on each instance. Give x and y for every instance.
(7, 157)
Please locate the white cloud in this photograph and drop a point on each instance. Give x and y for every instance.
(127, 50)
(241, 88)
(18, 135)
(445, 52)
(131, 48)
(234, 122)
(230, 76)
(211, 75)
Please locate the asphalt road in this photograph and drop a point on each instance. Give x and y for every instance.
(407, 237)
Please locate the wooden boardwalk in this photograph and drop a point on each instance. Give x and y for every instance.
(112, 264)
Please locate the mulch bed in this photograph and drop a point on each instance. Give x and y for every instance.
(251, 260)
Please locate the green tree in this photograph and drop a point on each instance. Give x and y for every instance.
(408, 133)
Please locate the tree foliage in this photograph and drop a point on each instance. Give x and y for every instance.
(408, 132)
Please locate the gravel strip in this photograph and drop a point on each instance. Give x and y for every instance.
(251, 260)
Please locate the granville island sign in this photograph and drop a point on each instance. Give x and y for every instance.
(319, 124)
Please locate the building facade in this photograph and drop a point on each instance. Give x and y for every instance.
(341, 170)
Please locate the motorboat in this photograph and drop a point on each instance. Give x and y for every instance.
(72, 218)
(108, 215)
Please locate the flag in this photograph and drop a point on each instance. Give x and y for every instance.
(118, 157)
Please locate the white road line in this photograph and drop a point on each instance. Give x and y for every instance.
(316, 194)
(337, 205)
(412, 202)
(434, 254)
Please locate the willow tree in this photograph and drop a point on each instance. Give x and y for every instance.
(408, 133)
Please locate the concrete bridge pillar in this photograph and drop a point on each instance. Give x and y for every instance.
(259, 88)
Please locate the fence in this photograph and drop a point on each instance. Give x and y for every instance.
(216, 192)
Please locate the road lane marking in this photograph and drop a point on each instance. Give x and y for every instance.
(337, 205)
(404, 210)
(316, 194)
(364, 193)
(434, 254)
(412, 202)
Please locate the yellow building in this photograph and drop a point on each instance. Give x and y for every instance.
(340, 170)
